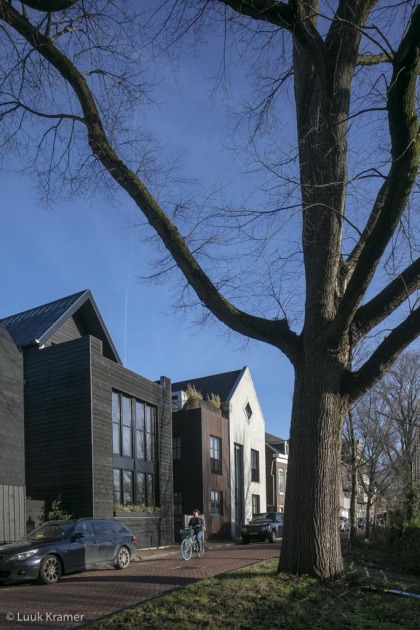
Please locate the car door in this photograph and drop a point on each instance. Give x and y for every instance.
(107, 540)
(83, 551)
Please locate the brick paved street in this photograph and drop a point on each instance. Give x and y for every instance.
(82, 598)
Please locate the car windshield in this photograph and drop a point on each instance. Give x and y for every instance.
(263, 517)
(49, 531)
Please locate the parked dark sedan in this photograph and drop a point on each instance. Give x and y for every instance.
(60, 547)
(265, 526)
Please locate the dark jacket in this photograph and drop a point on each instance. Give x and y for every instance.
(196, 522)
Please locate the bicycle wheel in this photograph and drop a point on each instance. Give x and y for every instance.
(186, 549)
(198, 551)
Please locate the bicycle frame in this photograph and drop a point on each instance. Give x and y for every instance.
(189, 544)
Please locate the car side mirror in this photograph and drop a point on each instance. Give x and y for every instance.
(77, 535)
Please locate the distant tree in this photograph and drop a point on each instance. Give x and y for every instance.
(367, 435)
(400, 393)
(354, 70)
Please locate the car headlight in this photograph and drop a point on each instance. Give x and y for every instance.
(25, 554)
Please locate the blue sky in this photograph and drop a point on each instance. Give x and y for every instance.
(48, 254)
(45, 255)
(91, 244)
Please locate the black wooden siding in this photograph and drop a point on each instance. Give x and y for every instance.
(12, 451)
(58, 425)
(106, 376)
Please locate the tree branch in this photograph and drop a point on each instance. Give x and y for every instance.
(371, 60)
(49, 6)
(394, 194)
(382, 305)
(275, 332)
(357, 383)
(286, 16)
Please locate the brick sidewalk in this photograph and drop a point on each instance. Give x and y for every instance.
(82, 598)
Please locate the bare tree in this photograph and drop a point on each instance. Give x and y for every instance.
(368, 433)
(400, 393)
(76, 71)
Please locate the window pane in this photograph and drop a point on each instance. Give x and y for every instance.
(150, 490)
(215, 455)
(281, 481)
(128, 487)
(117, 486)
(150, 433)
(255, 465)
(141, 489)
(127, 442)
(216, 500)
(140, 446)
(127, 435)
(116, 435)
(176, 447)
(116, 439)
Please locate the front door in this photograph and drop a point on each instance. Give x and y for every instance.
(239, 489)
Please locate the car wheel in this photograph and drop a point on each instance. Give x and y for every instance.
(123, 558)
(272, 537)
(50, 570)
(245, 541)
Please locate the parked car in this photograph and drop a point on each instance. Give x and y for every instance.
(343, 524)
(361, 523)
(264, 526)
(57, 548)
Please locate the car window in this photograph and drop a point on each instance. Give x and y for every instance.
(104, 527)
(85, 527)
(120, 528)
(50, 531)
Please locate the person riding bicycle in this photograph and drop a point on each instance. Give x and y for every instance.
(196, 523)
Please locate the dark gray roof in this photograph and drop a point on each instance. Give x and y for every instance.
(276, 443)
(221, 384)
(37, 325)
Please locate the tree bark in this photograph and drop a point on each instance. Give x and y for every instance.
(311, 540)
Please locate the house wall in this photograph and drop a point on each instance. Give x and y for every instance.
(12, 448)
(275, 462)
(192, 473)
(250, 434)
(58, 425)
(188, 471)
(106, 376)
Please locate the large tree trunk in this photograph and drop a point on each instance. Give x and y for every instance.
(312, 545)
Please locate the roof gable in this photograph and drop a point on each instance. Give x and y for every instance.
(222, 384)
(36, 326)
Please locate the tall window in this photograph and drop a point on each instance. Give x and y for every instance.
(215, 455)
(134, 448)
(281, 481)
(255, 465)
(176, 447)
(255, 504)
(216, 499)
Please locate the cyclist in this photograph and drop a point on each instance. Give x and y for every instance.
(196, 523)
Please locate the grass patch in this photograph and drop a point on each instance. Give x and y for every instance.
(256, 597)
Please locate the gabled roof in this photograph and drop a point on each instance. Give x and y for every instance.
(37, 325)
(222, 384)
(276, 443)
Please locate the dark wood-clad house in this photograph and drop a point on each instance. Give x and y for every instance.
(96, 433)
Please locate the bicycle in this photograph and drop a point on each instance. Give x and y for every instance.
(189, 544)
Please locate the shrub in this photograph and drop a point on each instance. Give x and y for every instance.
(57, 512)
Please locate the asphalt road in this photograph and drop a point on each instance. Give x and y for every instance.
(82, 598)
